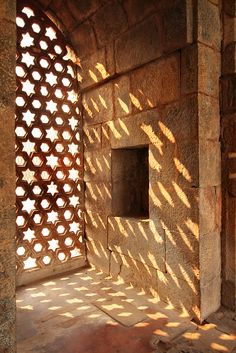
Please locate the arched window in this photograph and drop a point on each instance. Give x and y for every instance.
(49, 193)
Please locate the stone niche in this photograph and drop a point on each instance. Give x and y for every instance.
(130, 182)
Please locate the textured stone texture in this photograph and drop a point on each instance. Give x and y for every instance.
(160, 86)
(178, 25)
(129, 236)
(83, 39)
(7, 177)
(138, 45)
(98, 104)
(209, 25)
(109, 22)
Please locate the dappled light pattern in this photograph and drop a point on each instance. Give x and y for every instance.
(87, 312)
(48, 145)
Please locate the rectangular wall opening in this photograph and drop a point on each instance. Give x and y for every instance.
(130, 182)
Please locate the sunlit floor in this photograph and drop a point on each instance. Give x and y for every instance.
(85, 312)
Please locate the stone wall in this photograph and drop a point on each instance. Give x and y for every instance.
(228, 131)
(7, 176)
(150, 77)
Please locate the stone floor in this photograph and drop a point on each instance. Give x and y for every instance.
(85, 312)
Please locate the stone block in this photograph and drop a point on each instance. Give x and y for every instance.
(98, 197)
(182, 255)
(178, 25)
(96, 227)
(83, 39)
(177, 208)
(66, 20)
(210, 257)
(98, 104)
(229, 24)
(228, 94)
(94, 69)
(178, 293)
(137, 130)
(82, 10)
(109, 22)
(229, 59)
(141, 240)
(180, 120)
(209, 118)
(7, 63)
(161, 167)
(209, 163)
(187, 164)
(210, 297)
(229, 7)
(139, 45)
(122, 101)
(134, 272)
(7, 325)
(209, 209)
(98, 255)
(137, 10)
(160, 86)
(209, 24)
(97, 165)
(110, 57)
(209, 63)
(189, 69)
(92, 137)
(8, 10)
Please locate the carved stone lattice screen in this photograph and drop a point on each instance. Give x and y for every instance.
(49, 165)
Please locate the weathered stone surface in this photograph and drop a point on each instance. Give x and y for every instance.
(229, 59)
(134, 272)
(210, 258)
(178, 293)
(83, 39)
(94, 68)
(177, 209)
(160, 86)
(8, 10)
(92, 137)
(109, 22)
(129, 236)
(66, 20)
(97, 165)
(229, 30)
(229, 7)
(138, 130)
(178, 25)
(182, 258)
(122, 101)
(209, 116)
(210, 297)
(209, 26)
(99, 256)
(98, 104)
(82, 10)
(189, 71)
(137, 10)
(118, 309)
(209, 71)
(7, 326)
(210, 209)
(228, 91)
(209, 163)
(181, 120)
(138, 45)
(7, 64)
(96, 227)
(187, 164)
(98, 197)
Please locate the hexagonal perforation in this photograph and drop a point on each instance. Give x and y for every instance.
(48, 123)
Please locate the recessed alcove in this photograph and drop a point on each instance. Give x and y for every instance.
(130, 182)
